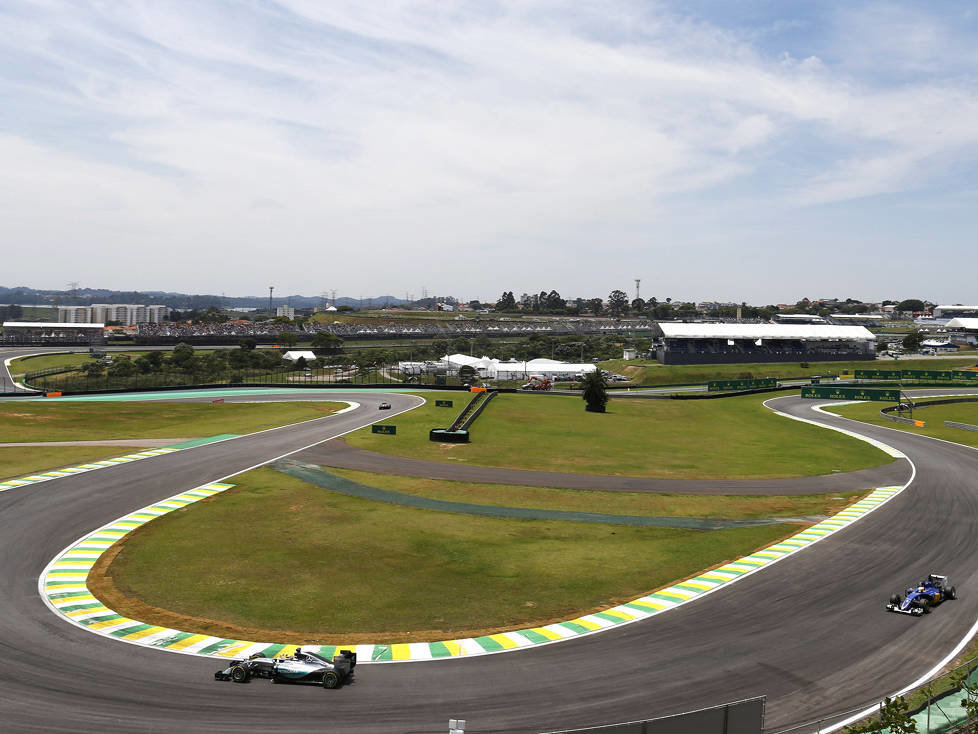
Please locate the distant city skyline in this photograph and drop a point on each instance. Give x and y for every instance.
(727, 151)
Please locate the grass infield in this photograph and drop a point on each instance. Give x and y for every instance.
(64, 421)
(733, 438)
(933, 419)
(278, 559)
(18, 461)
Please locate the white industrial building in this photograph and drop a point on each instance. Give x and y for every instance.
(488, 368)
(127, 314)
(965, 330)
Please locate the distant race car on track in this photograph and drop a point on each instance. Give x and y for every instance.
(300, 667)
(919, 599)
(384, 406)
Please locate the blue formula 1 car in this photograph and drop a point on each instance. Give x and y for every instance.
(919, 599)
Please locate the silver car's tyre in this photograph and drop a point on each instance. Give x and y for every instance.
(240, 674)
(331, 679)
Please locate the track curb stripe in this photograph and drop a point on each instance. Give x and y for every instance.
(82, 468)
(63, 585)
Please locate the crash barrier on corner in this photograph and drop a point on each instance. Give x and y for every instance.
(740, 717)
(962, 426)
(735, 385)
(888, 411)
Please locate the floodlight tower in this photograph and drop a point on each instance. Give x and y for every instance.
(637, 283)
(270, 289)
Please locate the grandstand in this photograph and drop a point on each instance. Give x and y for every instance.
(52, 332)
(950, 312)
(702, 343)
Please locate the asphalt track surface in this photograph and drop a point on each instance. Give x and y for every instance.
(342, 455)
(809, 632)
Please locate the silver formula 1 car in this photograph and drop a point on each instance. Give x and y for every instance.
(300, 667)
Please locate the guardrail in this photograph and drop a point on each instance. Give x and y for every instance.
(962, 426)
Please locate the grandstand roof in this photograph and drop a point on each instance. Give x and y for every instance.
(50, 325)
(858, 316)
(800, 332)
(962, 323)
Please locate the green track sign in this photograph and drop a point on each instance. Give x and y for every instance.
(724, 385)
(851, 393)
(389, 430)
(443, 403)
(878, 374)
(929, 375)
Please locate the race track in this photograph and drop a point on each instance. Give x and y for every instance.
(809, 631)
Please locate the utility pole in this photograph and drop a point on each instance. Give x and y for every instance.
(637, 282)
(271, 312)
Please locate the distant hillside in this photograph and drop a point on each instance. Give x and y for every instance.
(87, 296)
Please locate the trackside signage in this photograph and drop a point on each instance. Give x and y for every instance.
(722, 385)
(389, 430)
(851, 393)
(443, 403)
(878, 374)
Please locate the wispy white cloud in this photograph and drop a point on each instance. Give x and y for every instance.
(345, 128)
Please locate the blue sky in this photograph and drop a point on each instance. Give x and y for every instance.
(760, 152)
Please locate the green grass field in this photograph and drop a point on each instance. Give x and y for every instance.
(22, 460)
(652, 373)
(60, 421)
(22, 365)
(729, 438)
(339, 568)
(614, 503)
(933, 420)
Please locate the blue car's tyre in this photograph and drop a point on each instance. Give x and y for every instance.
(925, 605)
(952, 593)
(895, 600)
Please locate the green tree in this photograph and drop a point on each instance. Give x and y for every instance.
(93, 369)
(638, 305)
(912, 342)
(595, 306)
(895, 717)
(911, 304)
(618, 303)
(182, 355)
(150, 362)
(288, 338)
(122, 368)
(327, 341)
(595, 391)
(506, 302)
